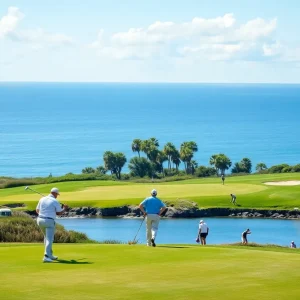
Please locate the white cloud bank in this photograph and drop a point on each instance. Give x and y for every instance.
(38, 38)
(220, 38)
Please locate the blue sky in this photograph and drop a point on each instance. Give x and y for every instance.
(150, 41)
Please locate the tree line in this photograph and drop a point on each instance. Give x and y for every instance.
(154, 159)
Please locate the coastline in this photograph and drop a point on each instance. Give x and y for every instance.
(171, 212)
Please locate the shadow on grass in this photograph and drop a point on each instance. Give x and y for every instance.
(73, 262)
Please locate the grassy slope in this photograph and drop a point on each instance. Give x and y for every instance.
(207, 192)
(139, 272)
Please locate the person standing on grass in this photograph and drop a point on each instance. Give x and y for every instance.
(203, 232)
(152, 208)
(293, 245)
(244, 236)
(233, 199)
(223, 178)
(47, 209)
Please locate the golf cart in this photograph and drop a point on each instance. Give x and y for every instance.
(5, 212)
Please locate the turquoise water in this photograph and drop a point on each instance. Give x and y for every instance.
(184, 231)
(59, 128)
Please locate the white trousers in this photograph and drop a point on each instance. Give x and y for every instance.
(48, 229)
(152, 227)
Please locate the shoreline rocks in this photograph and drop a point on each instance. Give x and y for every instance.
(132, 211)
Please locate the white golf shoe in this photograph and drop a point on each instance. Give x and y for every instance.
(47, 259)
(53, 257)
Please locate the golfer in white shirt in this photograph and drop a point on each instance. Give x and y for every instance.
(203, 232)
(47, 209)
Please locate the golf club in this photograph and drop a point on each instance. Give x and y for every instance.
(133, 242)
(28, 188)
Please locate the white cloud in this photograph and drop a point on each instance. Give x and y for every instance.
(256, 29)
(39, 38)
(218, 38)
(10, 21)
(163, 32)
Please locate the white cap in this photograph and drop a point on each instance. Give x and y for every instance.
(154, 192)
(55, 190)
(201, 221)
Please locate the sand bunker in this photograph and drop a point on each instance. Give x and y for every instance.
(290, 182)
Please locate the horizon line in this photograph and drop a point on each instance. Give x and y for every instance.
(156, 82)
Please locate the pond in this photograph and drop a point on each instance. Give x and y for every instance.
(184, 231)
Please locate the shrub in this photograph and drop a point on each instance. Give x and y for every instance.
(278, 168)
(21, 228)
(11, 183)
(203, 171)
(171, 172)
(287, 169)
(296, 168)
(78, 177)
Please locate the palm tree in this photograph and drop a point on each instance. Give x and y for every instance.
(140, 166)
(213, 161)
(160, 159)
(169, 150)
(114, 162)
(154, 141)
(149, 147)
(187, 150)
(176, 159)
(193, 146)
(260, 167)
(246, 165)
(88, 170)
(186, 154)
(193, 166)
(101, 170)
(136, 146)
(222, 163)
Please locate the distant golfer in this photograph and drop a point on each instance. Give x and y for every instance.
(203, 232)
(47, 209)
(223, 178)
(233, 199)
(293, 245)
(244, 236)
(152, 207)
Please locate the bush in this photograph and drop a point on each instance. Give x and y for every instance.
(287, 169)
(171, 172)
(296, 168)
(203, 171)
(22, 228)
(78, 177)
(277, 168)
(11, 183)
(125, 176)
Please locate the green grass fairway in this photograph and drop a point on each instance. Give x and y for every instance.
(209, 192)
(137, 272)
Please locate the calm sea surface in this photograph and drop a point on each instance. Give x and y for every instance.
(60, 128)
(184, 231)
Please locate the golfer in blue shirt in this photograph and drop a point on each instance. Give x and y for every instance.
(152, 208)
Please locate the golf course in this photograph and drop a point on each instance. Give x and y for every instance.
(122, 271)
(94, 271)
(251, 191)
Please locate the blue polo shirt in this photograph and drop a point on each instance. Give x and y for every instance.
(152, 205)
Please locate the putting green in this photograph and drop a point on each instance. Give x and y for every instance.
(172, 191)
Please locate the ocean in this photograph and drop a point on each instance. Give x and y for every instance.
(57, 128)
